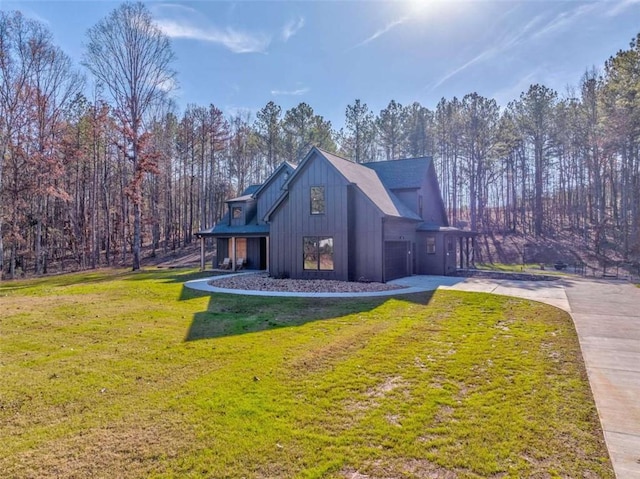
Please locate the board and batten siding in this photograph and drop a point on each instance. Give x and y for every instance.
(293, 220)
(365, 238)
(432, 208)
(270, 194)
(409, 197)
(431, 263)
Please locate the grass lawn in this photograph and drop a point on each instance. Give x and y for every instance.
(117, 374)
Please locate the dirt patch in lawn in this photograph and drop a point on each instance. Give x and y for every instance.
(117, 451)
(407, 467)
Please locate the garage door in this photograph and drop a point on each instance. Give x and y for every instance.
(396, 259)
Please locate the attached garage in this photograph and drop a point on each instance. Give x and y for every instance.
(396, 259)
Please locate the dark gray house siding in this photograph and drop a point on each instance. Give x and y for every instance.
(248, 228)
(371, 222)
(293, 221)
(368, 244)
(365, 238)
(271, 191)
(433, 207)
(443, 260)
(430, 263)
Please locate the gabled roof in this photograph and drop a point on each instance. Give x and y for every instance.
(371, 185)
(247, 194)
(285, 166)
(223, 228)
(366, 179)
(399, 174)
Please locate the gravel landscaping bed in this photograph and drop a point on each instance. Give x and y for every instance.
(263, 282)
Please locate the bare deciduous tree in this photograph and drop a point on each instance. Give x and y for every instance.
(131, 56)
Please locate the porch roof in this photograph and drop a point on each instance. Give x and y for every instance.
(223, 229)
(434, 228)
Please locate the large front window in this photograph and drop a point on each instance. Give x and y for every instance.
(317, 253)
(317, 200)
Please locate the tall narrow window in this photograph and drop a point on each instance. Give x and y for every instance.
(431, 245)
(317, 253)
(317, 200)
(310, 252)
(325, 250)
(236, 212)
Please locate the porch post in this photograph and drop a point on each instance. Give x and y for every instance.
(467, 252)
(233, 253)
(473, 251)
(461, 253)
(267, 262)
(201, 253)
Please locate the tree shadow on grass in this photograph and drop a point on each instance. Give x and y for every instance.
(71, 278)
(230, 314)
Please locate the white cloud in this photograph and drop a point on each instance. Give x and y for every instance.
(534, 30)
(389, 26)
(621, 6)
(168, 85)
(298, 92)
(564, 20)
(235, 40)
(291, 28)
(505, 43)
(482, 56)
(174, 7)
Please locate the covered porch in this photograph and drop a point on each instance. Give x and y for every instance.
(234, 250)
(466, 249)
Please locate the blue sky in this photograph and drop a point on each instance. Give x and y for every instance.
(240, 55)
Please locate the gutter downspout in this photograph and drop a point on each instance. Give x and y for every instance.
(201, 253)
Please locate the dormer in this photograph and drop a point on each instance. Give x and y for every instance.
(242, 210)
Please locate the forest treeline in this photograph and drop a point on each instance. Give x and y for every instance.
(83, 175)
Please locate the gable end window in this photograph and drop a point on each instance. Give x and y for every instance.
(317, 253)
(431, 245)
(236, 212)
(317, 200)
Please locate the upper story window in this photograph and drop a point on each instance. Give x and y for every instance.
(236, 212)
(317, 200)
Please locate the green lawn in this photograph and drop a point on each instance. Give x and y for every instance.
(118, 374)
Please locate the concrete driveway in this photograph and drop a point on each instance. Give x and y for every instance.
(607, 317)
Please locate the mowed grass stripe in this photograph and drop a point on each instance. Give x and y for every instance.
(131, 375)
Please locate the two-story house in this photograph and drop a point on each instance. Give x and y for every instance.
(331, 218)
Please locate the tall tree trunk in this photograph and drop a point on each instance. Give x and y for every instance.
(137, 235)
